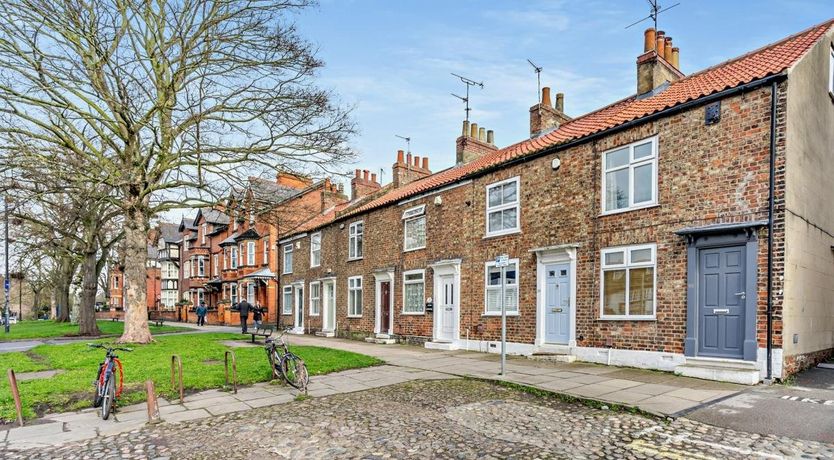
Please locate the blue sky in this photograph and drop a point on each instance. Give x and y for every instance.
(391, 59)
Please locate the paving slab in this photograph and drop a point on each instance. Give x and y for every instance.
(592, 390)
(270, 401)
(186, 415)
(225, 408)
(208, 402)
(665, 405)
(625, 397)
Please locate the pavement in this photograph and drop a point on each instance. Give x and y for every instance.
(803, 409)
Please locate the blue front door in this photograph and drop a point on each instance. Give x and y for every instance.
(557, 303)
(721, 302)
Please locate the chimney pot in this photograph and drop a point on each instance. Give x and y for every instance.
(408, 159)
(546, 97)
(660, 46)
(560, 102)
(365, 174)
(649, 41)
(667, 50)
(465, 128)
(416, 161)
(400, 155)
(491, 137)
(358, 173)
(373, 177)
(426, 163)
(482, 134)
(473, 130)
(676, 57)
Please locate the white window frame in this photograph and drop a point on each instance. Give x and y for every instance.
(354, 237)
(185, 243)
(233, 293)
(115, 282)
(201, 296)
(286, 307)
(186, 269)
(215, 262)
(286, 261)
(315, 249)
(631, 166)
(240, 253)
(266, 251)
(502, 207)
(627, 265)
(315, 298)
(225, 258)
(250, 293)
(407, 282)
(250, 253)
(412, 215)
(488, 288)
(201, 266)
(233, 257)
(355, 284)
(204, 230)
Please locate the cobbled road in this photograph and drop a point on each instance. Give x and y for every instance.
(457, 419)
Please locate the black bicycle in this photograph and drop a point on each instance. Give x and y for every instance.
(106, 390)
(286, 364)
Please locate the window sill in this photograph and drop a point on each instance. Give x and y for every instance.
(286, 313)
(504, 233)
(636, 208)
(412, 313)
(354, 316)
(627, 318)
(355, 259)
(313, 315)
(286, 273)
(498, 314)
(315, 266)
(414, 249)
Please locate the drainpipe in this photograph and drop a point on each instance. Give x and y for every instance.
(770, 205)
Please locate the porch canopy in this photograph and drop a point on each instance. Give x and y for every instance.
(264, 274)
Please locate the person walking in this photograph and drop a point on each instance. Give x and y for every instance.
(201, 314)
(243, 308)
(257, 315)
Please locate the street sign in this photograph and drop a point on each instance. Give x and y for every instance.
(502, 261)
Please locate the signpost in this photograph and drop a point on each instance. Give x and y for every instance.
(501, 262)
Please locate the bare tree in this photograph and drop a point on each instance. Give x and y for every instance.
(168, 102)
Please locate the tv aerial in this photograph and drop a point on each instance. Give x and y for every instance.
(407, 142)
(538, 70)
(655, 10)
(469, 83)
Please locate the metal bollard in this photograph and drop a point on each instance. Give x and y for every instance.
(234, 369)
(16, 396)
(175, 360)
(153, 403)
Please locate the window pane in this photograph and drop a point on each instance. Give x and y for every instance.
(494, 196)
(641, 291)
(510, 299)
(509, 217)
(494, 276)
(415, 233)
(493, 299)
(643, 183)
(413, 297)
(616, 190)
(414, 277)
(615, 258)
(495, 221)
(643, 150)
(510, 274)
(616, 158)
(641, 256)
(613, 292)
(510, 193)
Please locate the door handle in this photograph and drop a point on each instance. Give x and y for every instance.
(742, 294)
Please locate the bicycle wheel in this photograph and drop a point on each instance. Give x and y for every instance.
(294, 371)
(97, 396)
(109, 397)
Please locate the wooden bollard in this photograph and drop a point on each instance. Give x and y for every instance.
(16, 396)
(176, 362)
(153, 404)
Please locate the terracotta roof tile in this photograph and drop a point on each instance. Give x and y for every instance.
(763, 62)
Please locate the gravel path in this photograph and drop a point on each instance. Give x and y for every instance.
(458, 419)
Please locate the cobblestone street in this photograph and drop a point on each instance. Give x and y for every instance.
(457, 418)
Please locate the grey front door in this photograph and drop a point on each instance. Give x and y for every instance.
(557, 304)
(721, 302)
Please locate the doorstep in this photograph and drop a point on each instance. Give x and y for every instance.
(325, 334)
(381, 339)
(441, 346)
(720, 369)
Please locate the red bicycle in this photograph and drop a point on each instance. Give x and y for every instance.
(105, 383)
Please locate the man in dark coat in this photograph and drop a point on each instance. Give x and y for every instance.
(243, 307)
(201, 314)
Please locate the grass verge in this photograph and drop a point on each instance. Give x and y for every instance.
(51, 329)
(202, 360)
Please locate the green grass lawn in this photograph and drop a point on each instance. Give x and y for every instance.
(202, 360)
(51, 329)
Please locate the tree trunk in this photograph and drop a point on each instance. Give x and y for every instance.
(89, 286)
(136, 255)
(36, 302)
(66, 270)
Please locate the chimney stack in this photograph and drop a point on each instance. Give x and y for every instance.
(474, 144)
(658, 65)
(410, 170)
(363, 184)
(544, 117)
(291, 180)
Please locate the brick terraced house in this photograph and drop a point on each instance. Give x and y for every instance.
(685, 228)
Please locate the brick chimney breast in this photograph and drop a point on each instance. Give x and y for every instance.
(544, 117)
(474, 144)
(658, 65)
(413, 168)
(362, 184)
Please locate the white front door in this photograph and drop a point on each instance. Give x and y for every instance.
(447, 309)
(299, 308)
(329, 316)
(557, 304)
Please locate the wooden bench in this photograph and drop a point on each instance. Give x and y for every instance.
(158, 321)
(260, 332)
